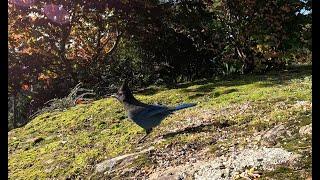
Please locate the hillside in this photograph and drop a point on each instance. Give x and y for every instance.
(253, 114)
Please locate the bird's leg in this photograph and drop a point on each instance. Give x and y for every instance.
(148, 131)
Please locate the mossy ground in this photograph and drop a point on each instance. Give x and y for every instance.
(70, 143)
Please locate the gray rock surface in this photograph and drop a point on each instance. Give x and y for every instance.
(226, 167)
(263, 158)
(110, 163)
(272, 135)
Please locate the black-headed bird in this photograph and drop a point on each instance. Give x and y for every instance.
(145, 115)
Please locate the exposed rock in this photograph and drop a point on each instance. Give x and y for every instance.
(264, 158)
(303, 104)
(110, 163)
(305, 130)
(272, 135)
(226, 167)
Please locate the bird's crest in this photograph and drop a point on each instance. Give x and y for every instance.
(124, 93)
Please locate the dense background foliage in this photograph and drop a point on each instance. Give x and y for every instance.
(54, 46)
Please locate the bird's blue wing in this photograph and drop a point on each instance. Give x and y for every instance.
(153, 110)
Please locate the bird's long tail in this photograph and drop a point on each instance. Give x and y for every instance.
(183, 106)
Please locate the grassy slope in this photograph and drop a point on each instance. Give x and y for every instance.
(70, 143)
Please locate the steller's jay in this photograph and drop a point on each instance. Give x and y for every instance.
(145, 115)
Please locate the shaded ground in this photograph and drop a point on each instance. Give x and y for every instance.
(233, 114)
